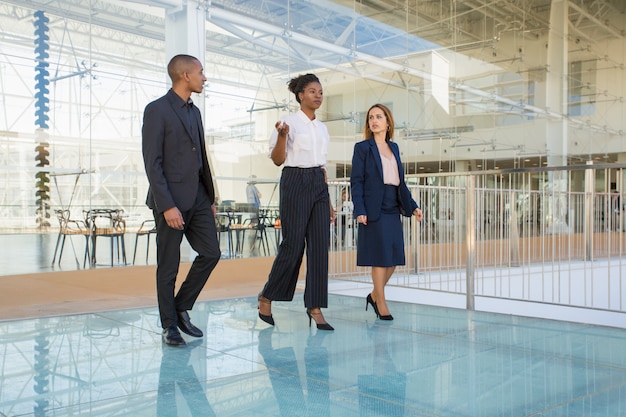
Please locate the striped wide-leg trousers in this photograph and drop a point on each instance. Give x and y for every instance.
(305, 221)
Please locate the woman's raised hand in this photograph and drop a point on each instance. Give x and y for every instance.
(282, 127)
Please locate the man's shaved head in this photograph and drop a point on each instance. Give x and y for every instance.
(179, 65)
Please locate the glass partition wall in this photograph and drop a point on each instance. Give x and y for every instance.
(472, 85)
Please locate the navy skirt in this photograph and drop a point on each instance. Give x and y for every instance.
(381, 243)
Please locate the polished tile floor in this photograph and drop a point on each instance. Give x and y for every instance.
(430, 361)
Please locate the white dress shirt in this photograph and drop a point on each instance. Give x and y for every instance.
(307, 141)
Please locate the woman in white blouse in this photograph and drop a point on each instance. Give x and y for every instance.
(300, 143)
(380, 196)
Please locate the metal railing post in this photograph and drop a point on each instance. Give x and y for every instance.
(513, 231)
(588, 215)
(470, 238)
(415, 244)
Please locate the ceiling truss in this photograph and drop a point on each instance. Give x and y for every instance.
(370, 41)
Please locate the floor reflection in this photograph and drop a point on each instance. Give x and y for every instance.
(293, 398)
(177, 371)
(384, 387)
(430, 361)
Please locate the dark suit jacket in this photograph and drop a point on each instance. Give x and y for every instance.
(171, 157)
(367, 183)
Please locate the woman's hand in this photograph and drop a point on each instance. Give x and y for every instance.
(282, 128)
(418, 214)
(362, 219)
(279, 152)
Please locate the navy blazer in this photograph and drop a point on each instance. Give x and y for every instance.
(171, 157)
(367, 183)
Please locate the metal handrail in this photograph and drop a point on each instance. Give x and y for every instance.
(552, 235)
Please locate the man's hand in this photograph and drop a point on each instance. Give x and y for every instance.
(174, 218)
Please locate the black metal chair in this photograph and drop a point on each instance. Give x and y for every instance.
(147, 228)
(222, 224)
(108, 223)
(272, 220)
(238, 227)
(259, 224)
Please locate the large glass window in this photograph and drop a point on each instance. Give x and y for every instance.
(469, 87)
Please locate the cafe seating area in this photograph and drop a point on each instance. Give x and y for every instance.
(243, 225)
(94, 223)
(242, 232)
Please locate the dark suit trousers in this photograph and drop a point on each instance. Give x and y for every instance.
(201, 234)
(305, 220)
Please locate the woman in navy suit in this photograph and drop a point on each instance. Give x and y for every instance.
(380, 196)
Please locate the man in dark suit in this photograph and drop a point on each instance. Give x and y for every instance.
(181, 195)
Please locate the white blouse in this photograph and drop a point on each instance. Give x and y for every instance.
(307, 141)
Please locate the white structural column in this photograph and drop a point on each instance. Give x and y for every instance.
(556, 99)
(556, 86)
(185, 33)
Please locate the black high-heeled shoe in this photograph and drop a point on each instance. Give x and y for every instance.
(268, 319)
(370, 300)
(320, 326)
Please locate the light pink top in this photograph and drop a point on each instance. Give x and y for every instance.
(391, 176)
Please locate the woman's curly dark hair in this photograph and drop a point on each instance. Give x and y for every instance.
(298, 84)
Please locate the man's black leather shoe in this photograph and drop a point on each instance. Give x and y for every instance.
(172, 337)
(184, 324)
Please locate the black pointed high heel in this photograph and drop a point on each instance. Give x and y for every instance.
(320, 326)
(268, 319)
(370, 300)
